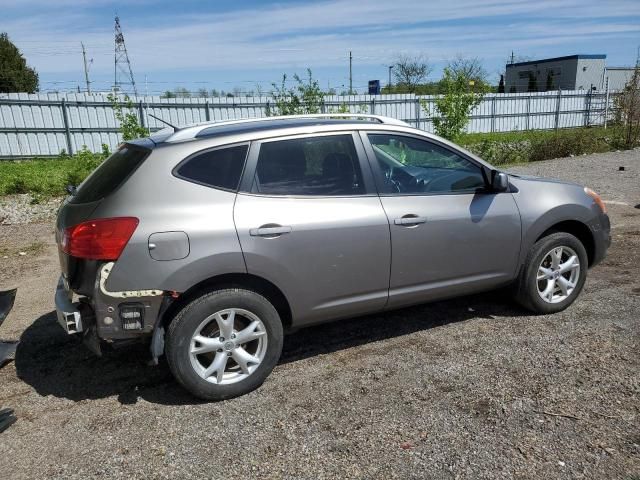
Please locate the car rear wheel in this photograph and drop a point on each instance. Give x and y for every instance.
(553, 275)
(224, 343)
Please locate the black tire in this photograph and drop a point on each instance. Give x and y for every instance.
(526, 287)
(187, 321)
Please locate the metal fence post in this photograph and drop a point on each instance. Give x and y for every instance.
(65, 119)
(606, 103)
(323, 107)
(373, 106)
(527, 126)
(493, 114)
(417, 113)
(141, 114)
(558, 109)
(207, 114)
(587, 108)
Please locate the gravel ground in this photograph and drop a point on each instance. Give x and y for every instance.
(22, 209)
(471, 388)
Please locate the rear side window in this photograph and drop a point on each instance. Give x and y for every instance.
(326, 166)
(110, 174)
(220, 168)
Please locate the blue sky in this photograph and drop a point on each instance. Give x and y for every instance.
(225, 44)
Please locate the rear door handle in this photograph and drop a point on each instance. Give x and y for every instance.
(410, 220)
(271, 231)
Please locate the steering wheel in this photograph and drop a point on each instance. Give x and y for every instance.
(388, 177)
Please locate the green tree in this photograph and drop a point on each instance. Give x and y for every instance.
(471, 68)
(453, 107)
(130, 127)
(304, 97)
(15, 75)
(627, 109)
(181, 92)
(410, 72)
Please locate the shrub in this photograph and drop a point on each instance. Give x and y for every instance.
(518, 147)
(304, 97)
(455, 105)
(130, 127)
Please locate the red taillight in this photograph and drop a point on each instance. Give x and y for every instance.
(101, 239)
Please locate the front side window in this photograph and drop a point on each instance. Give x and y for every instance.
(220, 168)
(325, 166)
(413, 166)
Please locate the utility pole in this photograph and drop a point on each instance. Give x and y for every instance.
(350, 74)
(122, 65)
(86, 69)
(389, 84)
(512, 57)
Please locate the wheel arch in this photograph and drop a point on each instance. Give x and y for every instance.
(233, 280)
(579, 230)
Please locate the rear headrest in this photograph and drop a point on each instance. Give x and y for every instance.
(337, 165)
(280, 161)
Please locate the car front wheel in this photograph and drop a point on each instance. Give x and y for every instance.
(224, 343)
(553, 275)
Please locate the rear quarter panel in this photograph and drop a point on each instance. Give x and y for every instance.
(164, 203)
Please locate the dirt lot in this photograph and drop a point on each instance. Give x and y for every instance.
(470, 388)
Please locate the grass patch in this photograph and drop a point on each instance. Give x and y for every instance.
(532, 145)
(47, 177)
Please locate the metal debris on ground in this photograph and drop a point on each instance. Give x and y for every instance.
(7, 348)
(7, 418)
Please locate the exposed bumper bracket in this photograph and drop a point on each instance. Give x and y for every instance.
(69, 316)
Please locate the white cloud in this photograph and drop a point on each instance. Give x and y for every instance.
(317, 34)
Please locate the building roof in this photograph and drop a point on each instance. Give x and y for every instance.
(620, 68)
(556, 59)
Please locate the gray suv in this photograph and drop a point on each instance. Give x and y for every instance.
(211, 241)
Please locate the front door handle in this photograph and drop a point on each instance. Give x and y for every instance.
(269, 231)
(410, 220)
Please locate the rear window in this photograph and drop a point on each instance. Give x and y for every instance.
(110, 174)
(220, 168)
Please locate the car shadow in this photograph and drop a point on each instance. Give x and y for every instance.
(57, 364)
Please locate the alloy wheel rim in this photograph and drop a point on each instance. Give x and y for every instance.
(228, 346)
(558, 274)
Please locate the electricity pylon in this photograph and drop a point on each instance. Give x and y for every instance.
(123, 75)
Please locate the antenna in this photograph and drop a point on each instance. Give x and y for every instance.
(123, 75)
(175, 129)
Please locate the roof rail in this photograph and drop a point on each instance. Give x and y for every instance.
(192, 131)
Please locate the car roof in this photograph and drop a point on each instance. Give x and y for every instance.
(221, 132)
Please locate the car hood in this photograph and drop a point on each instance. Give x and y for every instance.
(533, 178)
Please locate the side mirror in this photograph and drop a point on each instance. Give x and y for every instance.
(71, 189)
(499, 181)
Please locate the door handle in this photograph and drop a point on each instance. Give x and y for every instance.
(269, 231)
(410, 220)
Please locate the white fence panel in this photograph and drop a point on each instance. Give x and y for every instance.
(46, 124)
